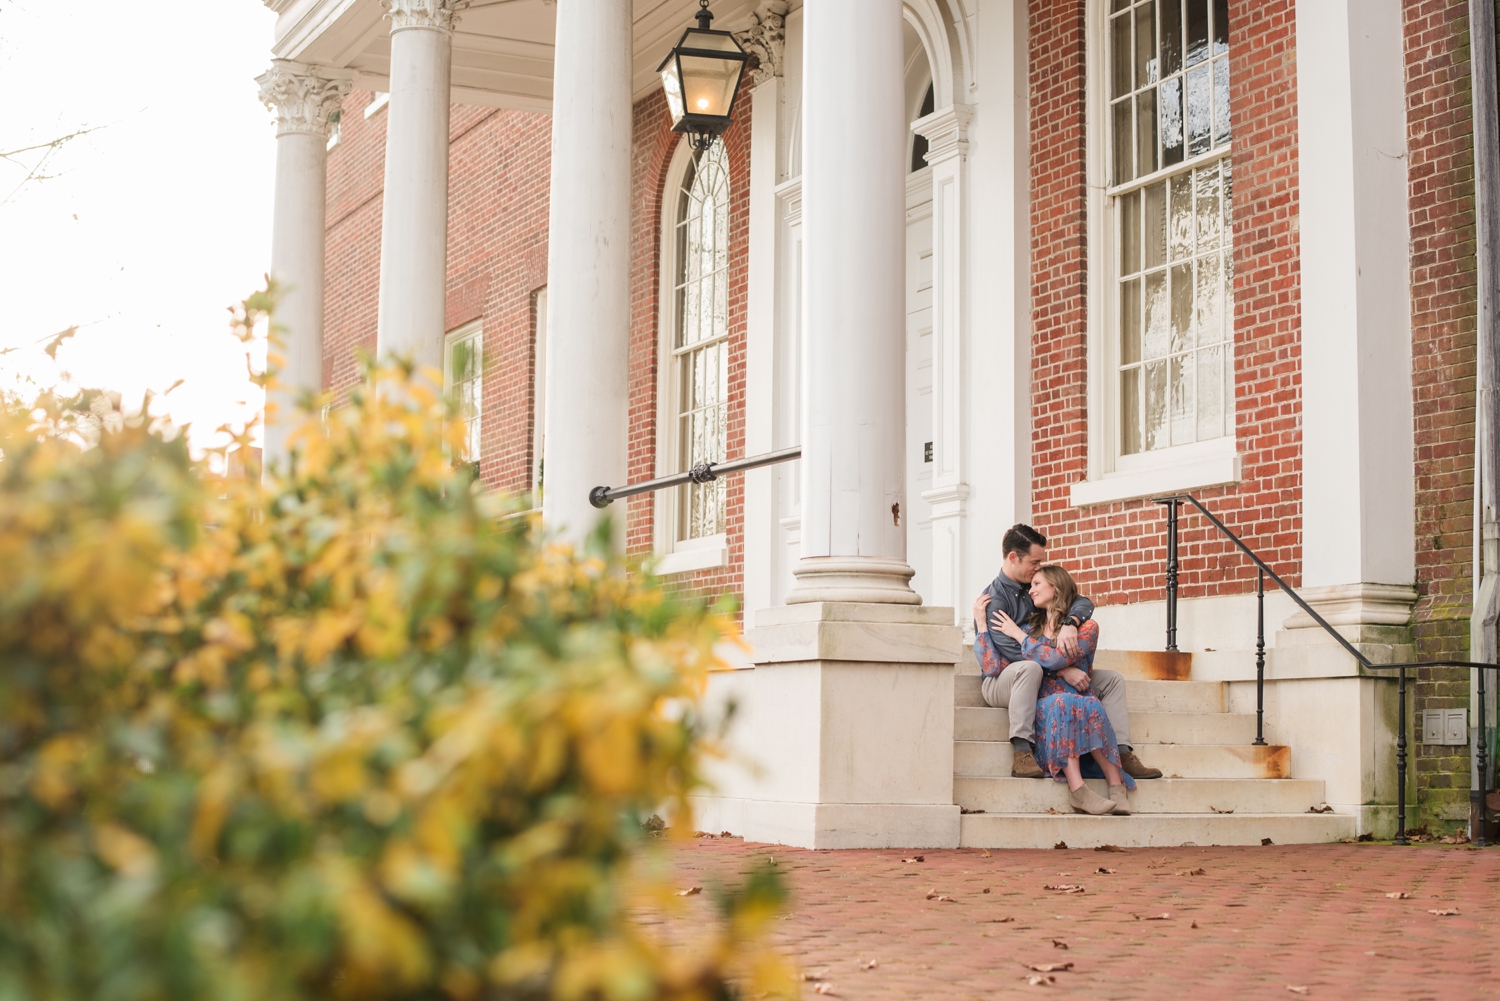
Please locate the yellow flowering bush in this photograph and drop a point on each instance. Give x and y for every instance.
(354, 733)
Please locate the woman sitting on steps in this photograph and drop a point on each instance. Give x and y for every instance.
(1070, 720)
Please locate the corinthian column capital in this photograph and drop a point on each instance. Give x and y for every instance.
(303, 97)
(766, 39)
(441, 15)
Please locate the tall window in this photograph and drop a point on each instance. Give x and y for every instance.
(699, 349)
(464, 374)
(1170, 193)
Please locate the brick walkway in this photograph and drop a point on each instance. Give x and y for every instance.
(1256, 923)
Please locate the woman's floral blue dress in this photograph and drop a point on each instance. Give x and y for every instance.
(1068, 724)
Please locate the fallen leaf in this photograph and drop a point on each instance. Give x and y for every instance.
(984, 854)
(1061, 845)
(1109, 848)
(1399, 895)
(1041, 981)
(825, 989)
(1064, 888)
(995, 921)
(1151, 917)
(985, 890)
(916, 858)
(1444, 912)
(872, 964)
(1297, 990)
(1058, 943)
(967, 810)
(1266, 841)
(1193, 925)
(691, 891)
(1215, 809)
(1055, 813)
(1050, 967)
(932, 894)
(1325, 808)
(1192, 872)
(1107, 872)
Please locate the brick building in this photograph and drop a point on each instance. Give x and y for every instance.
(1037, 262)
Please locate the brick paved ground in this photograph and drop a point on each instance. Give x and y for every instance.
(1267, 919)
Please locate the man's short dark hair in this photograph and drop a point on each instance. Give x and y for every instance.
(1020, 539)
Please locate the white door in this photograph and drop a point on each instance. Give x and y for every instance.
(917, 514)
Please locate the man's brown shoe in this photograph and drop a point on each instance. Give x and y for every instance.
(1025, 766)
(1136, 768)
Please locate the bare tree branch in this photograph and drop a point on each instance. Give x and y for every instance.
(35, 172)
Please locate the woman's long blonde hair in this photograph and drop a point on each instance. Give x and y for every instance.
(1065, 592)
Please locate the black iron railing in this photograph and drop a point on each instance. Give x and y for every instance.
(705, 472)
(1480, 759)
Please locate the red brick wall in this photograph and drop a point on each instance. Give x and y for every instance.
(500, 166)
(1440, 175)
(655, 144)
(1121, 548)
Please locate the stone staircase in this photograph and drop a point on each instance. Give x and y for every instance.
(1218, 786)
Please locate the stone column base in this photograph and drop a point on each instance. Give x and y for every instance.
(853, 727)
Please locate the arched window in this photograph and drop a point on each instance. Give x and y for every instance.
(696, 348)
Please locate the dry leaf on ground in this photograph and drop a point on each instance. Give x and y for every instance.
(1297, 990)
(825, 989)
(1151, 917)
(872, 964)
(1443, 912)
(1064, 888)
(1215, 809)
(1324, 808)
(1061, 845)
(1193, 925)
(1058, 943)
(984, 854)
(932, 894)
(1399, 895)
(1109, 848)
(691, 891)
(1041, 980)
(995, 921)
(1192, 872)
(1107, 872)
(1049, 967)
(1266, 841)
(1054, 812)
(916, 858)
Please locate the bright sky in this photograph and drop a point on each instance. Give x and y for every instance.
(154, 224)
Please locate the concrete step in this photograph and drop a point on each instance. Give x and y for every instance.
(972, 723)
(1161, 830)
(1140, 696)
(1188, 761)
(1147, 665)
(1008, 795)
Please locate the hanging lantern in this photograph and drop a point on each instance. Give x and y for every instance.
(702, 79)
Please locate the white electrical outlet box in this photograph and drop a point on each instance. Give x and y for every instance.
(1455, 726)
(1445, 726)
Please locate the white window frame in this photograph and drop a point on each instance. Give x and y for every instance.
(473, 331)
(539, 395)
(380, 100)
(674, 556)
(1111, 475)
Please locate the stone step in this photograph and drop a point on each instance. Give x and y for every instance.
(1159, 830)
(1140, 696)
(1008, 795)
(1147, 665)
(972, 723)
(1189, 761)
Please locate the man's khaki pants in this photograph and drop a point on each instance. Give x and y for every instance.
(1016, 687)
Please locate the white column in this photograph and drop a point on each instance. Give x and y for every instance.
(853, 183)
(303, 97)
(414, 231)
(589, 267)
(947, 134)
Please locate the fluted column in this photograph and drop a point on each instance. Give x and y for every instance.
(854, 225)
(588, 275)
(414, 233)
(303, 98)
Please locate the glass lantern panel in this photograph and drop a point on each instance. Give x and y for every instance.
(673, 86)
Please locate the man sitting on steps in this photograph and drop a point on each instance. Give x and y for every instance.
(1014, 685)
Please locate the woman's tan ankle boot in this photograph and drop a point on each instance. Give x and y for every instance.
(1120, 797)
(1085, 800)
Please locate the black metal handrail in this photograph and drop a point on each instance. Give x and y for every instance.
(1172, 504)
(704, 472)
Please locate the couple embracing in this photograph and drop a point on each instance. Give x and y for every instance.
(1034, 638)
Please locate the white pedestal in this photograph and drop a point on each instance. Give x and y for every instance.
(853, 727)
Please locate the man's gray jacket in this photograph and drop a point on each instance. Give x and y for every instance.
(1015, 600)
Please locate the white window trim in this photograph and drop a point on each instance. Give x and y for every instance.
(475, 330)
(1111, 476)
(688, 555)
(541, 306)
(380, 100)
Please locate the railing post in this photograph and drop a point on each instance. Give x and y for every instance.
(1401, 759)
(1481, 761)
(1260, 656)
(1172, 574)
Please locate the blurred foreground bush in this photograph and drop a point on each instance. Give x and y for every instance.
(351, 735)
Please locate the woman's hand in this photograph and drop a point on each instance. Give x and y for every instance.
(981, 605)
(1005, 624)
